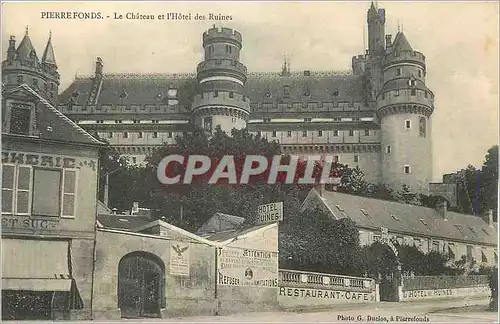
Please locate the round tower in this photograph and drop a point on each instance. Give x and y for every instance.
(23, 66)
(404, 107)
(221, 78)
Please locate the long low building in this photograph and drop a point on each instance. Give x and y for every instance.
(428, 229)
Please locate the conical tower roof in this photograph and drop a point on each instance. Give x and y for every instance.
(48, 55)
(401, 43)
(25, 48)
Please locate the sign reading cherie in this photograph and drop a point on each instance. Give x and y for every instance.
(36, 159)
(178, 169)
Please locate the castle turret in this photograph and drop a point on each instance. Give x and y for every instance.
(376, 30)
(404, 106)
(23, 66)
(221, 78)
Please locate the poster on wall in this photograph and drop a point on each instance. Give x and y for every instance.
(179, 259)
(246, 267)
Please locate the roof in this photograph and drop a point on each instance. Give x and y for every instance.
(401, 43)
(221, 222)
(48, 54)
(411, 219)
(52, 124)
(122, 222)
(231, 234)
(25, 48)
(143, 89)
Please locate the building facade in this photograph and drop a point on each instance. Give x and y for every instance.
(457, 235)
(376, 116)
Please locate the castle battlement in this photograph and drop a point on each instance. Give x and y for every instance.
(405, 56)
(222, 34)
(221, 64)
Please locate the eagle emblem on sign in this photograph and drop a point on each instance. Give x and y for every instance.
(179, 250)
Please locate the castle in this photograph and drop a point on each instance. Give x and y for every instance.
(376, 116)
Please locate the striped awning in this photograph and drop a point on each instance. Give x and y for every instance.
(37, 265)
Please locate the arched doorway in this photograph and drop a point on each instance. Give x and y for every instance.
(141, 285)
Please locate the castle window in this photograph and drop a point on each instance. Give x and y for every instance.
(307, 93)
(289, 134)
(426, 94)
(135, 121)
(19, 79)
(419, 73)
(307, 119)
(140, 135)
(268, 94)
(20, 120)
(134, 160)
(351, 132)
(110, 135)
(356, 158)
(154, 121)
(169, 134)
(413, 92)
(304, 133)
(383, 96)
(398, 71)
(173, 102)
(155, 134)
(335, 133)
(367, 132)
(408, 124)
(207, 124)
(336, 159)
(211, 49)
(52, 86)
(159, 95)
(172, 93)
(267, 120)
(274, 133)
(335, 92)
(286, 92)
(388, 149)
(125, 135)
(412, 83)
(396, 93)
(407, 169)
(216, 93)
(259, 134)
(320, 133)
(233, 120)
(35, 82)
(118, 121)
(422, 126)
(231, 94)
(228, 49)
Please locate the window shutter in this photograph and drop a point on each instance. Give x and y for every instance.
(24, 177)
(8, 172)
(69, 193)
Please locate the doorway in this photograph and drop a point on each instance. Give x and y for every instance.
(141, 288)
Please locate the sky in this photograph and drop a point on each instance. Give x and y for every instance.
(459, 39)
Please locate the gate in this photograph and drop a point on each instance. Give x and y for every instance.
(141, 287)
(389, 288)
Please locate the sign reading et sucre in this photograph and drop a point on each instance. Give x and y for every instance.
(270, 213)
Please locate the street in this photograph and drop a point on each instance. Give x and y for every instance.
(443, 311)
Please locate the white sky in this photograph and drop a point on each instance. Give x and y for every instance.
(460, 41)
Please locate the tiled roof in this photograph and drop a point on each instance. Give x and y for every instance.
(54, 125)
(411, 219)
(227, 235)
(220, 222)
(122, 89)
(25, 48)
(48, 54)
(122, 222)
(401, 43)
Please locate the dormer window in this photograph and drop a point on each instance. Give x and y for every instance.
(159, 95)
(35, 82)
(20, 119)
(336, 92)
(268, 94)
(307, 93)
(286, 91)
(123, 94)
(75, 94)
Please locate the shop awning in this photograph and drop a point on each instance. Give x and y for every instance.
(36, 284)
(35, 265)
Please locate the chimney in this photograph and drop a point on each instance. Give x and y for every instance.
(442, 208)
(11, 51)
(490, 217)
(98, 67)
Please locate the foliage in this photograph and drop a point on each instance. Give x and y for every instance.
(314, 241)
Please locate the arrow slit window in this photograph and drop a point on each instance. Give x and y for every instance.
(422, 127)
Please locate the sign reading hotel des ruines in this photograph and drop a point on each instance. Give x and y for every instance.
(246, 267)
(270, 213)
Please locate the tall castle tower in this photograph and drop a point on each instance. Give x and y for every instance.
(404, 107)
(23, 66)
(221, 78)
